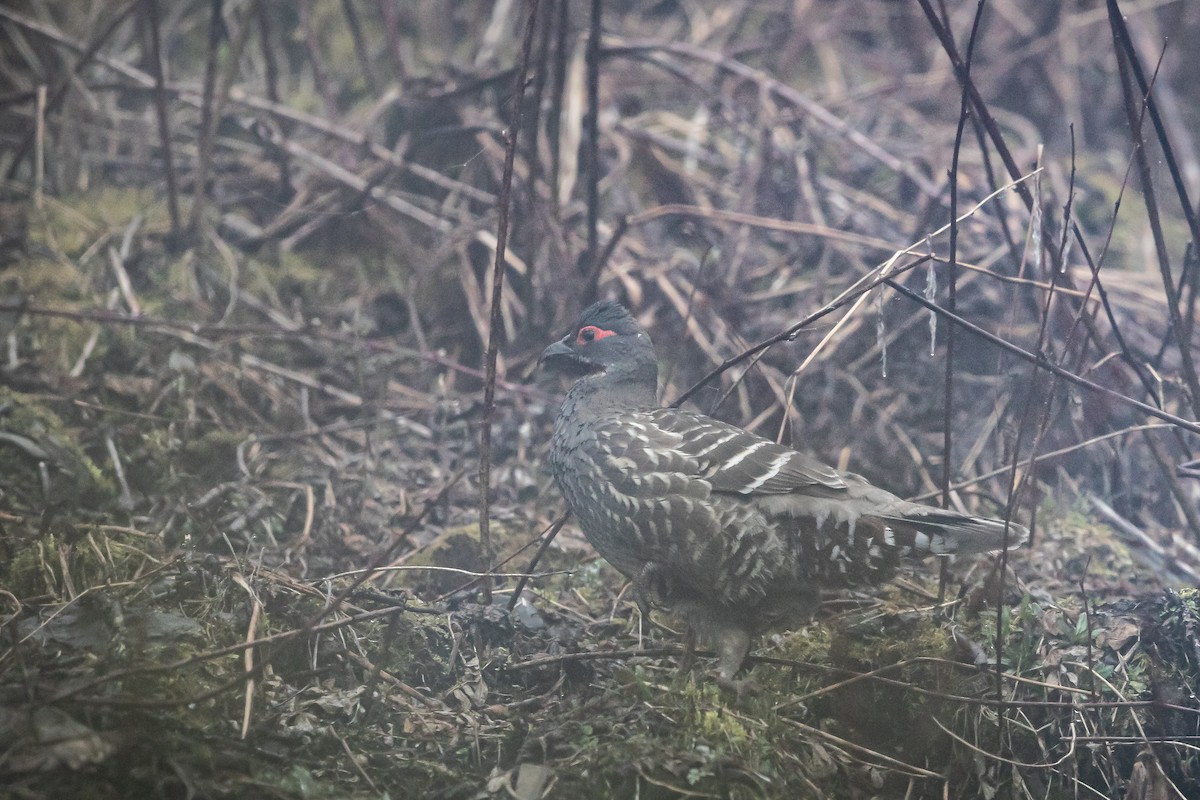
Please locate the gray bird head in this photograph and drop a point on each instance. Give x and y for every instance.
(608, 348)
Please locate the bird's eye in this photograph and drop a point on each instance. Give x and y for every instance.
(590, 333)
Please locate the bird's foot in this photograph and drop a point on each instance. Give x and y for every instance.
(732, 644)
(743, 688)
(688, 659)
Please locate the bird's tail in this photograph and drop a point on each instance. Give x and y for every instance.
(945, 533)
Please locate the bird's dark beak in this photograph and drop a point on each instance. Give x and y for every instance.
(560, 357)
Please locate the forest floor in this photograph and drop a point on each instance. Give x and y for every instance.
(240, 550)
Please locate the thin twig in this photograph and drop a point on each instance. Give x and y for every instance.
(494, 326)
(952, 297)
(56, 97)
(549, 536)
(1044, 363)
(1135, 108)
(592, 127)
(160, 114)
(855, 293)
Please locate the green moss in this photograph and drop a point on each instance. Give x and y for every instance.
(418, 649)
(30, 434)
(104, 208)
(888, 640)
(80, 558)
(28, 573)
(713, 724)
(211, 457)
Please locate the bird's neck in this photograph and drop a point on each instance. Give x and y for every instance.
(600, 394)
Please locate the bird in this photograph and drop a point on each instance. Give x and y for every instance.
(725, 529)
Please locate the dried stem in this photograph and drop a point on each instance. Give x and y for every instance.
(494, 326)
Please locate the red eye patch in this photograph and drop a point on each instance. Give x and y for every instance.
(590, 333)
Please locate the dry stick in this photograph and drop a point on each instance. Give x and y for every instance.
(1181, 330)
(790, 333)
(160, 113)
(73, 692)
(1121, 32)
(995, 135)
(248, 656)
(1048, 404)
(494, 326)
(1113, 781)
(993, 131)
(854, 293)
(39, 146)
(1002, 567)
(593, 276)
(207, 128)
(57, 96)
(1191, 274)
(605, 655)
(212, 107)
(1001, 211)
(952, 300)
(1041, 361)
(1135, 117)
(187, 94)
(1094, 266)
(271, 83)
(383, 556)
(593, 150)
(733, 385)
(989, 122)
(1140, 372)
(493, 570)
(552, 532)
(784, 92)
(1042, 459)
(360, 46)
(188, 331)
(558, 86)
(536, 170)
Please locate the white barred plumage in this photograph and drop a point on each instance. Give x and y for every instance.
(730, 530)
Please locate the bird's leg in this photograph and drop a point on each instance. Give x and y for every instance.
(689, 650)
(644, 588)
(733, 644)
(652, 588)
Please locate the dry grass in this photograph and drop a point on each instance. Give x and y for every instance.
(246, 296)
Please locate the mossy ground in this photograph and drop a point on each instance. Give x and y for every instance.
(443, 699)
(209, 436)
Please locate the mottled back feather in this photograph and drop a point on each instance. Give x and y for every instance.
(729, 529)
